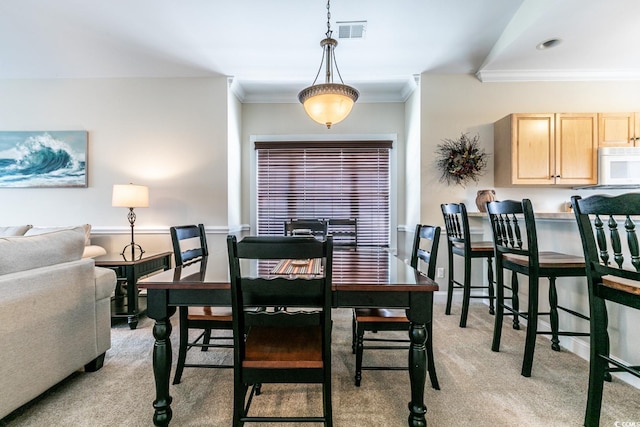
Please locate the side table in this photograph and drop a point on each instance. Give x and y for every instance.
(125, 302)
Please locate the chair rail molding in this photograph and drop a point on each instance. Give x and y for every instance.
(116, 230)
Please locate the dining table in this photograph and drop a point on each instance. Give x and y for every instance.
(361, 277)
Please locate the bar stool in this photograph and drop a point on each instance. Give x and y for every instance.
(516, 249)
(613, 272)
(459, 243)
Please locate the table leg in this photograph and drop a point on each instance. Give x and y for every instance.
(132, 297)
(160, 312)
(161, 369)
(419, 315)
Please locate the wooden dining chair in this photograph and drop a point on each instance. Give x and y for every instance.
(459, 243)
(609, 235)
(425, 249)
(315, 227)
(280, 346)
(344, 231)
(190, 245)
(516, 249)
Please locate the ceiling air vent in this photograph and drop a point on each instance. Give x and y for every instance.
(351, 29)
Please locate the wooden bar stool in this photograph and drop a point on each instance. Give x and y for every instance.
(516, 249)
(613, 273)
(459, 243)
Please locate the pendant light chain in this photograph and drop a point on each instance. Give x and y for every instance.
(329, 32)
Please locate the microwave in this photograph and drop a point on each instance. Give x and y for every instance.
(619, 166)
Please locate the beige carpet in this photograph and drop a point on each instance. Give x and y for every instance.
(479, 387)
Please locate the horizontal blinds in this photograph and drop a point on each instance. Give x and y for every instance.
(311, 180)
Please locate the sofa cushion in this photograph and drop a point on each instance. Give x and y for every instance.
(14, 230)
(93, 251)
(32, 231)
(27, 252)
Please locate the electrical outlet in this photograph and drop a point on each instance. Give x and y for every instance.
(440, 273)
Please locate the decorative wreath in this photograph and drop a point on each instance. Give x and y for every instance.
(461, 160)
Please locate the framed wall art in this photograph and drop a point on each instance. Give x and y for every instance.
(43, 159)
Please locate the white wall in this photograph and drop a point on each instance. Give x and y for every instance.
(169, 134)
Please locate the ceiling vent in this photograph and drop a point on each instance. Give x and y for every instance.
(351, 29)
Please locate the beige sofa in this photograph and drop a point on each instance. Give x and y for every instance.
(54, 313)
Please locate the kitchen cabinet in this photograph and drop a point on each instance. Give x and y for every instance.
(558, 149)
(619, 129)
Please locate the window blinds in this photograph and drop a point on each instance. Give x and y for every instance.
(334, 179)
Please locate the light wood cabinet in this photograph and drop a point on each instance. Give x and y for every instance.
(546, 149)
(619, 129)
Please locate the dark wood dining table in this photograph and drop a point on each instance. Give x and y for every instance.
(365, 277)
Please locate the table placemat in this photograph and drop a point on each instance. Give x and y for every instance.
(296, 266)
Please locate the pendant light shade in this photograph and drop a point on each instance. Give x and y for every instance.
(328, 103)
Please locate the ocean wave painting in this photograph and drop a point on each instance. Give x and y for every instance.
(43, 159)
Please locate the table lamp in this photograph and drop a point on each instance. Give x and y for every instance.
(131, 196)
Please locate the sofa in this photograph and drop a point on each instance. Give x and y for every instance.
(54, 312)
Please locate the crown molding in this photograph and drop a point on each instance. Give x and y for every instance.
(491, 76)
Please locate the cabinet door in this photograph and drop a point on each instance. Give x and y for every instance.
(533, 157)
(576, 149)
(616, 129)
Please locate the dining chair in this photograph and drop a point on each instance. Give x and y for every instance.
(190, 245)
(459, 243)
(280, 346)
(297, 226)
(344, 231)
(516, 249)
(425, 249)
(613, 274)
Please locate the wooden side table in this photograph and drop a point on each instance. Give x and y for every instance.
(125, 302)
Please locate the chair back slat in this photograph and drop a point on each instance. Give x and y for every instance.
(456, 222)
(599, 220)
(514, 228)
(425, 247)
(188, 235)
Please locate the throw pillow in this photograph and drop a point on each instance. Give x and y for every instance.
(15, 230)
(42, 230)
(25, 253)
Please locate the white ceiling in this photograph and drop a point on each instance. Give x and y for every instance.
(271, 47)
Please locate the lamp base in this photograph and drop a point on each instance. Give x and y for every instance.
(133, 251)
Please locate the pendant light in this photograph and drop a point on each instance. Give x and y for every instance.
(328, 103)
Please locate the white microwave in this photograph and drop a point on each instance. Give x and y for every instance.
(619, 166)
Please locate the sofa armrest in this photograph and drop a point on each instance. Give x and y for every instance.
(105, 282)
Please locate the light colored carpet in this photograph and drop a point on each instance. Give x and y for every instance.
(479, 387)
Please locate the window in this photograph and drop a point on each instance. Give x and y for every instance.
(325, 179)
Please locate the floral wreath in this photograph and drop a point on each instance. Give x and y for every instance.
(461, 160)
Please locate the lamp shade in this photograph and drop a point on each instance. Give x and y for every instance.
(130, 196)
(328, 103)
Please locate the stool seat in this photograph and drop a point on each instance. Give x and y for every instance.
(548, 260)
